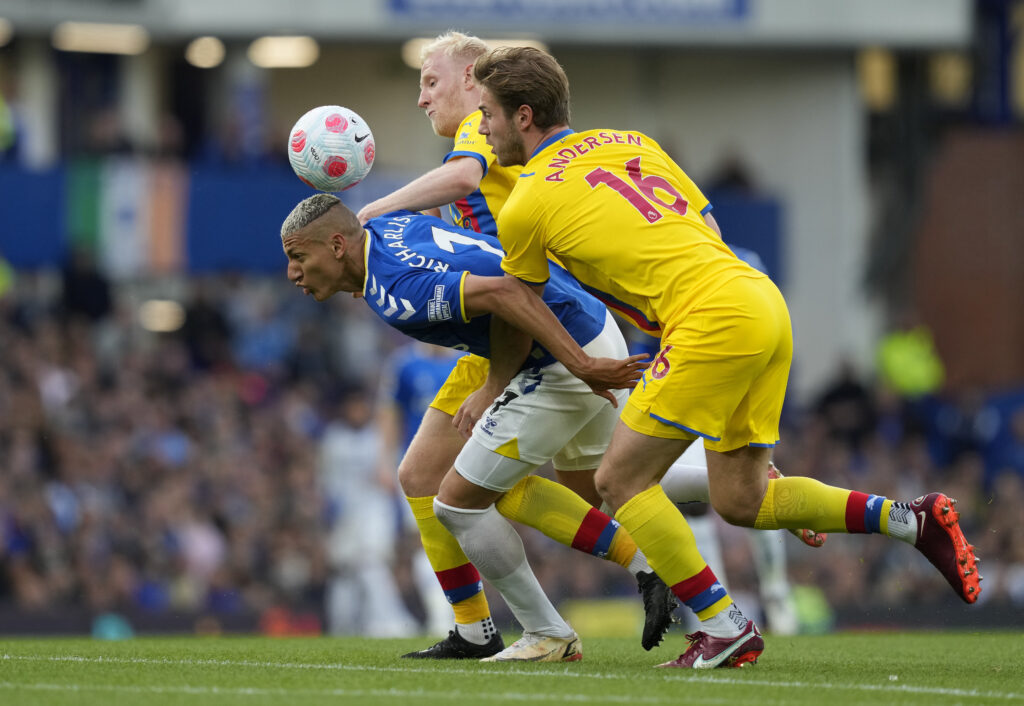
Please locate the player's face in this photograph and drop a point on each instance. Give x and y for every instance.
(501, 133)
(312, 266)
(441, 93)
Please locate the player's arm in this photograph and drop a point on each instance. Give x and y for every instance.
(450, 182)
(521, 306)
(509, 348)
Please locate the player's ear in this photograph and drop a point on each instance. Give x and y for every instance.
(524, 117)
(337, 244)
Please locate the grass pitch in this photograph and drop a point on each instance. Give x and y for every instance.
(864, 668)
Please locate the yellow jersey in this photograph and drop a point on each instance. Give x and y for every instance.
(479, 210)
(623, 218)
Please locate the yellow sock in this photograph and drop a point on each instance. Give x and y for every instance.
(665, 538)
(459, 579)
(794, 503)
(567, 518)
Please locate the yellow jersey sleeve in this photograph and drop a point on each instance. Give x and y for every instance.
(521, 232)
(479, 210)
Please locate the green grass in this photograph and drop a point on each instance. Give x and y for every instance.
(864, 668)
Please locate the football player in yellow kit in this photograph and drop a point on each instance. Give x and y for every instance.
(474, 188)
(610, 205)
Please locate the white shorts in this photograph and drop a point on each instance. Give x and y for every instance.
(544, 415)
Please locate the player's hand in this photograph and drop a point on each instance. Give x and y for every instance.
(370, 210)
(605, 374)
(472, 409)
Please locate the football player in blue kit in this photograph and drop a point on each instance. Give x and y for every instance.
(435, 283)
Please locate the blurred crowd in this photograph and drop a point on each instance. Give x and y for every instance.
(203, 470)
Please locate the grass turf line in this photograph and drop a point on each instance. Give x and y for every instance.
(841, 669)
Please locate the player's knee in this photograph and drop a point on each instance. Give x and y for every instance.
(611, 488)
(412, 482)
(419, 478)
(736, 510)
(451, 517)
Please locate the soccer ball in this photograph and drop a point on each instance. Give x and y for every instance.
(331, 148)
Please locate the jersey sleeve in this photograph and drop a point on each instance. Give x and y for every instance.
(470, 143)
(520, 229)
(426, 298)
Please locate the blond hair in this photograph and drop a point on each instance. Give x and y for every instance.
(455, 45)
(308, 210)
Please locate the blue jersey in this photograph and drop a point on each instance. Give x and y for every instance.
(415, 268)
(412, 383)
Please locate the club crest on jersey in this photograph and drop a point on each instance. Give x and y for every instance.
(437, 308)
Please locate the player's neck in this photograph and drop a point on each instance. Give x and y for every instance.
(535, 138)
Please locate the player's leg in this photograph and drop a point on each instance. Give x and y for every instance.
(543, 413)
(686, 481)
(466, 508)
(561, 514)
(742, 494)
(581, 483)
(562, 420)
(430, 456)
(627, 479)
(694, 386)
(930, 523)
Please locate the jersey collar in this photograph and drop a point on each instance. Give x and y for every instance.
(554, 138)
(366, 258)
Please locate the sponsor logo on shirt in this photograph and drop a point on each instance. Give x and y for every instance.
(437, 308)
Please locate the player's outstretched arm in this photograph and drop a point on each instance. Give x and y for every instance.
(450, 182)
(509, 348)
(515, 302)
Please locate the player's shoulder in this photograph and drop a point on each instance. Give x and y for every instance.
(468, 133)
(471, 121)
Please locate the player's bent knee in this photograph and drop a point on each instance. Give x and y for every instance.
(415, 483)
(453, 518)
(612, 489)
(736, 511)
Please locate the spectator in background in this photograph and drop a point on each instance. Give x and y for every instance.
(410, 380)
(85, 290)
(82, 494)
(1009, 455)
(362, 595)
(847, 407)
(206, 332)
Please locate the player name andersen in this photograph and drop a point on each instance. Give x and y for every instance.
(591, 142)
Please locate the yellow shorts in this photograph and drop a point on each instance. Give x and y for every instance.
(722, 371)
(466, 378)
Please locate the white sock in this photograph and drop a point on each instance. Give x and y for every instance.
(479, 632)
(496, 550)
(528, 602)
(638, 564)
(729, 623)
(902, 522)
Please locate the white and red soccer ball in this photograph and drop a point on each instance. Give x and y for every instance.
(331, 148)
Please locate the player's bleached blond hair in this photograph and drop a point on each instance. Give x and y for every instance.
(455, 45)
(308, 210)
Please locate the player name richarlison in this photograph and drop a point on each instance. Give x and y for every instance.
(394, 233)
(590, 142)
